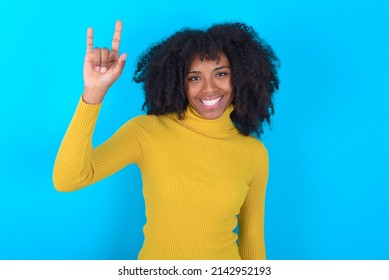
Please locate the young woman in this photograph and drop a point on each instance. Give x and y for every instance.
(206, 94)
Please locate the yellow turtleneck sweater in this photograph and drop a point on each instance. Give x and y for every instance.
(199, 178)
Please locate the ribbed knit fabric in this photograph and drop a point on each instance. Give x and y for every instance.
(198, 176)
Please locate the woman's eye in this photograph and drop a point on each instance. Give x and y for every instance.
(193, 78)
(221, 74)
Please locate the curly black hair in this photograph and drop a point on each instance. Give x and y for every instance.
(164, 66)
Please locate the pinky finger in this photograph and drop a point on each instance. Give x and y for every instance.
(118, 68)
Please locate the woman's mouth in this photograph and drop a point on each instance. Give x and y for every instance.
(211, 103)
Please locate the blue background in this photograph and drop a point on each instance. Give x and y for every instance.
(328, 189)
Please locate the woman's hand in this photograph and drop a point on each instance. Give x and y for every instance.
(101, 66)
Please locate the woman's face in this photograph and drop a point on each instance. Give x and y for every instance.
(208, 86)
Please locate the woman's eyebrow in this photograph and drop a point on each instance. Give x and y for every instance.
(220, 67)
(194, 72)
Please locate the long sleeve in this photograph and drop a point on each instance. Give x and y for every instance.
(251, 218)
(78, 165)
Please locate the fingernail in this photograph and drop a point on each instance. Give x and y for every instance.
(97, 68)
(103, 69)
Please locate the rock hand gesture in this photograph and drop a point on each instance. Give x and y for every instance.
(101, 66)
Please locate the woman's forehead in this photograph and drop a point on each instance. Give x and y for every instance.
(199, 61)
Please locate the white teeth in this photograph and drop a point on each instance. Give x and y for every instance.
(210, 102)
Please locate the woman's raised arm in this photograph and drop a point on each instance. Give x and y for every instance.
(77, 164)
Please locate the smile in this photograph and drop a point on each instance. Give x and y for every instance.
(211, 103)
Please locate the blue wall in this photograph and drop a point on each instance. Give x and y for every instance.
(328, 189)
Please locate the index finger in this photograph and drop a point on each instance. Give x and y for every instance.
(89, 40)
(116, 36)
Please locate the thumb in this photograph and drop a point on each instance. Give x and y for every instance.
(118, 68)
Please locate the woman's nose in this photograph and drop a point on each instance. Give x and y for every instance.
(209, 86)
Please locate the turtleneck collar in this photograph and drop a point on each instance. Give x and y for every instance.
(217, 127)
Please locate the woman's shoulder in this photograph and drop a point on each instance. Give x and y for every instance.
(144, 119)
(149, 124)
(254, 147)
(143, 122)
(253, 142)
(150, 120)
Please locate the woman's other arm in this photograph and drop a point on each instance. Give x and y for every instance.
(251, 217)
